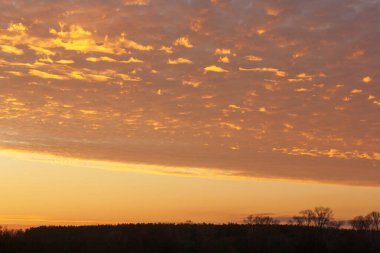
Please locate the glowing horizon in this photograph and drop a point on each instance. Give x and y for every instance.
(61, 191)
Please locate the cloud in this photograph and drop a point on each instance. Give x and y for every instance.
(41, 51)
(230, 125)
(224, 59)
(15, 73)
(355, 91)
(214, 68)
(183, 41)
(192, 83)
(168, 50)
(17, 27)
(367, 79)
(65, 61)
(179, 61)
(109, 59)
(46, 75)
(253, 58)
(272, 11)
(251, 88)
(126, 77)
(222, 51)
(133, 45)
(136, 2)
(76, 38)
(273, 70)
(11, 49)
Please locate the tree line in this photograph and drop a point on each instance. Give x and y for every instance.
(312, 231)
(321, 217)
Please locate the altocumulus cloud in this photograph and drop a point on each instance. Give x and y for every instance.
(281, 90)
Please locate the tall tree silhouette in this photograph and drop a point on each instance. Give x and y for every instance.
(360, 223)
(305, 218)
(374, 218)
(322, 216)
(369, 222)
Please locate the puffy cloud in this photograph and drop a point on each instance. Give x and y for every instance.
(11, 49)
(224, 59)
(168, 50)
(183, 41)
(179, 61)
(65, 61)
(136, 2)
(192, 83)
(76, 38)
(273, 70)
(46, 75)
(355, 91)
(367, 79)
(214, 68)
(42, 51)
(222, 51)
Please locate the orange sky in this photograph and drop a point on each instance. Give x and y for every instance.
(46, 190)
(190, 100)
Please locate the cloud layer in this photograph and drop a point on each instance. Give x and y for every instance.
(273, 89)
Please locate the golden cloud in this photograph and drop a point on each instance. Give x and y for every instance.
(183, 41)
(46, 75)
(273, 70)
(214, 68)
(367, 79)
(253, 58)
(224, 59)
(115, 85)
(222, 51)
(179, 61)
(136, 2)
(11, 49)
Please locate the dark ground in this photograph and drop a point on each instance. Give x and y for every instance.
(171, 238)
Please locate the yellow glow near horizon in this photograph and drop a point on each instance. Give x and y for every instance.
(43, 190)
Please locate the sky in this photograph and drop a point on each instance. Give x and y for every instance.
(147, 111)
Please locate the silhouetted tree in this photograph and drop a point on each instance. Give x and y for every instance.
(305, 218)
(298, 220)
(250, 220)
(369, 222)
(374, 218)
(336, 224)
(260, 220)
(322, 216)
(360, 223)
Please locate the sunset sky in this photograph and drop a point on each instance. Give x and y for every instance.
(205, 110)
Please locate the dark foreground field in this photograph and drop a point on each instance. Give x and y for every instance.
(170, 238)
